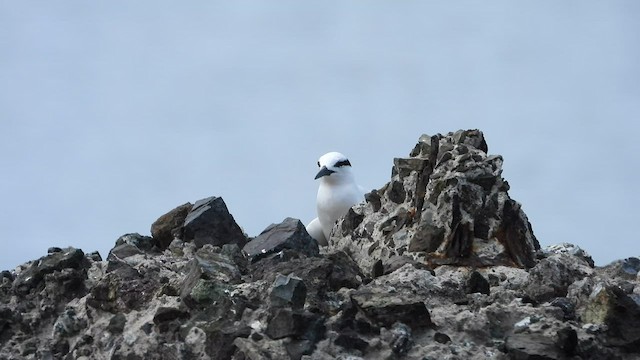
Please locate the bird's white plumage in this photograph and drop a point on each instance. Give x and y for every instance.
(337, 193)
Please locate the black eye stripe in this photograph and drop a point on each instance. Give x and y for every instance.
(343, 163)
(318, 163)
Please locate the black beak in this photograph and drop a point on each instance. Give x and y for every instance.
(324, 172)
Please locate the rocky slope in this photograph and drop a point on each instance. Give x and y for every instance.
(440, 263)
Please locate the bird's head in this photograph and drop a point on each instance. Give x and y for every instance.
(333, 165)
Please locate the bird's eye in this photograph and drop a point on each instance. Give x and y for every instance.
(343, 163)
(318, 163)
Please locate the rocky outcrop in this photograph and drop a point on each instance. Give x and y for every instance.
(438, 264)
(447, 204)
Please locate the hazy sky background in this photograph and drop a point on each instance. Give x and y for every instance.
(113, 113)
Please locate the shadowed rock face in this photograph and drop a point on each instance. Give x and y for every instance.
(447, 204)
(438, 264)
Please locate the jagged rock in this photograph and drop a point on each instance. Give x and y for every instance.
(289, 234)
(69, 258)
(552, 276)
(209, 222)
(447, 204)
(476, 283)
(144, 243)
(208, 277)
(351, 340)
(441, 338)
(532, 347)
(117, 323)
(291, 323)
(169, 225)
(258, 350)
(438, 264)
(610, 306)
(320, 274)
(385, 308)
(571, 249)
(401, 340)
(288, 291)
(626, 269)
(220, 341)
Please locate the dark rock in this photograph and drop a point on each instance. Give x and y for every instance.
(117, 323)
(625, 269)
(164, 314)
(209, 222)
(401, 339)
(610, 306)
(320, 274)
(288, 291)
(532, 347)
(297, 348)
(219, 344)
(52, 250)
(124, 288)
(207, 279)
(29, 279)
(552, 276)
(168, 319)
(284, 323)
(567, 307)
(378, 269)
(94, 256)
(396, 262)
(446, 205)
(476, 283)
(385, 308)
(144, 243)
(567, 340)
(441, 338)
(444, 244)
(169, 225)
(265, 349)
(351, 340)
(289, 234)
(123, 251)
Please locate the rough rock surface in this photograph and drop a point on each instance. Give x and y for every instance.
(447, 204)
(438, 264)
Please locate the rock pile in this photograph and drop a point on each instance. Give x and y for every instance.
(437, 264)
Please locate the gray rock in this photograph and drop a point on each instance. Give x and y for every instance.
(208, 278)
(532, 347)
(438, 264)
(117, 323)
(553, 275)
(385, 308)
(69, 258)
(209, 222)
(610, 306)
(291, 323)
(401, 341)
(289, 234)
(144, 243)
(447, 204)
(288, 291)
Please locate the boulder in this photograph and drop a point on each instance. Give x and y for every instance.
(169, 225)
(209, 222)
(289, 234)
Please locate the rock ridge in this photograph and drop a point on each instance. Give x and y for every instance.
(439, 263)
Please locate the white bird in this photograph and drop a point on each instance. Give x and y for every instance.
(337, 193)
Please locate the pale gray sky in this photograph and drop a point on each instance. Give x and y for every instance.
(113, 113)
